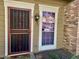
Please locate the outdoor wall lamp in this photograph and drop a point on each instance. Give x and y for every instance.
(36, 17)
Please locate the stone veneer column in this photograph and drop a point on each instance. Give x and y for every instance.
(71, 30)
(77, 47)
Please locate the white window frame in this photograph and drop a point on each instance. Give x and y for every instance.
(18, 4)
(50, 9)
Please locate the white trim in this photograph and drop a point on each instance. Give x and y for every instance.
(18, 54)
(50, 9)
(18, 5)
(77, 41)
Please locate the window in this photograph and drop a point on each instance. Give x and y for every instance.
(48, 22)
(19, 30)
(47, 27)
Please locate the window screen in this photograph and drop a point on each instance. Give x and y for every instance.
(19, 19)
(19, 42)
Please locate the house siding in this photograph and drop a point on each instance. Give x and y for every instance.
(60, 27)
(2, 29)
(35, 24)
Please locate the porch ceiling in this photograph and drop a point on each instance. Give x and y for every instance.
(60, 2)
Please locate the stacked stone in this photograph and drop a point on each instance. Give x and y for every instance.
(77, 42)
(70, 27)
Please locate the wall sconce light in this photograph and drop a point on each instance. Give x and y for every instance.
(36, 17)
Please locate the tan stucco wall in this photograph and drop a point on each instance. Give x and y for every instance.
(2, 23)
(36, 25)
(60, 28)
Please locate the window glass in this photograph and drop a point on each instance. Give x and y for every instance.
(48, 22)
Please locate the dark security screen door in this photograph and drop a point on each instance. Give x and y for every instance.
(19, 30)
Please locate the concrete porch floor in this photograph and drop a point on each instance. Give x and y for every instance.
(63, 54)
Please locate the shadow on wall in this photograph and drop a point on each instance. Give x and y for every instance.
(68, 1)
